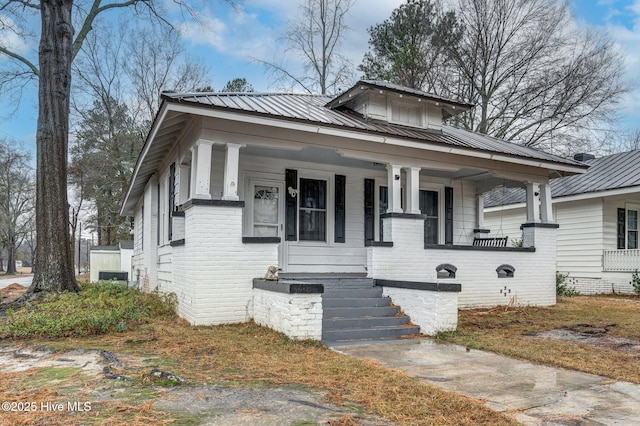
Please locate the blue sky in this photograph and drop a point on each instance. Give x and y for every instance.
(228, 39)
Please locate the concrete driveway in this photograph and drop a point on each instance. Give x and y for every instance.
(532, 394)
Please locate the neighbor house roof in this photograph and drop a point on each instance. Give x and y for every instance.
(617, 171)
(316, 110)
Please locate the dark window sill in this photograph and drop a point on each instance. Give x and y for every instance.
(176, 243)
(414, 285)
(261, 240)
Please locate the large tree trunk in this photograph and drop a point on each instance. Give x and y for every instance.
(53, 268)
(11, 259)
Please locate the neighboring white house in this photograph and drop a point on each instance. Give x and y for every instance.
(598, 217)
(369, 183)
(109, 262)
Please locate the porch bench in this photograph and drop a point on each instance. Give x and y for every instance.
(490, 242)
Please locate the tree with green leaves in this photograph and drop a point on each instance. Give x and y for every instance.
(410, 48)
(102, 159)
(237, 85)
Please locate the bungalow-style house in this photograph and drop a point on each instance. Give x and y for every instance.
(598, 216)
(357, 201)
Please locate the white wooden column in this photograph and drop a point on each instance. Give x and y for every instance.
(201, 170)
(533, 203)
(480, 211)
(394, 188)
(231, 161)
(546, 203)
(413, 188)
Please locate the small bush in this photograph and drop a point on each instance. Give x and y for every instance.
(562, 289)
(635, 281)
(98, 309)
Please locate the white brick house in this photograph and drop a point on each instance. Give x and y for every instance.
(369, 183)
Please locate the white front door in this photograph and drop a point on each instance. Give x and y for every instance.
(267, 211)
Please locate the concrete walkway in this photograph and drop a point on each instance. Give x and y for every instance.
(530, 393)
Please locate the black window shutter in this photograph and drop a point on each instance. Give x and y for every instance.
(369, 212)
(291, 216)
(621, 228)
(172, 197)
(448, 215)
(340, 209)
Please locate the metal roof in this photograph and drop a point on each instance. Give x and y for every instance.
(615, 171)
(396, 88)
(311, 108)
(170, 123)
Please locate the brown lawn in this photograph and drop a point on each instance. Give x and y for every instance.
(594, 334)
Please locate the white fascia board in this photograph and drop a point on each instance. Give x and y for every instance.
(635, 190)
(164, 109)
(504, 208)
(600, 194)
(286, 123)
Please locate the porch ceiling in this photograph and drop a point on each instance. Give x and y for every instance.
(319, 155)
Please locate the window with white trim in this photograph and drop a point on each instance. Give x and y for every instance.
(312, 210)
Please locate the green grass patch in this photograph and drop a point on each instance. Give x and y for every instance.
(99, 308)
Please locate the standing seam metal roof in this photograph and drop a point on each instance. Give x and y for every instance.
(615, 171)
(311, 108)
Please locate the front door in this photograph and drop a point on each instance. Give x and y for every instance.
(267, 211)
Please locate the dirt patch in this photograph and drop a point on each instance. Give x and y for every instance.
(213, 404)
(11, 292)
(592, 335)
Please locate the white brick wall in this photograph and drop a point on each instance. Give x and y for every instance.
(215, 268)
(297, 315)
(407, 260)
(432, 311)
(611, 282)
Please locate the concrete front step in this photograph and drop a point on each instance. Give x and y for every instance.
(371, 302)
(363, 322)
(360, 293)
(369, 333)
(383, 311)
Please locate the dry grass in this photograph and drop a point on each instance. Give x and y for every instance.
(246, 355)
(509, 331)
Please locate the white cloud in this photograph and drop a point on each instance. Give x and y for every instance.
(9, 37)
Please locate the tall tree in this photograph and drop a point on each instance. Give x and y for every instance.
(16, 198)
(103, 155)
(57, 48)
(410, 48)
(237, 85)
(156, 61)
(314, 39)
(536, 78)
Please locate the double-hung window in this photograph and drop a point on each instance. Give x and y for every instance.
(632, 229)
(313, 210)
(628, 227)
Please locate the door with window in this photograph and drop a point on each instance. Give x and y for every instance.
(429, 208)
(267, 209)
